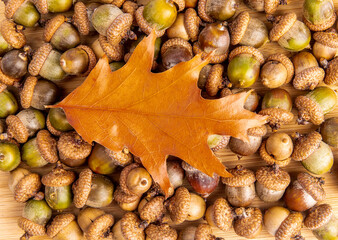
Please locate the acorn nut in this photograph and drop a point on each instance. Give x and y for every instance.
(329, 131)
(217, 142)
(325, 47)
(10, 156)
(128, 228)
(14, 65)
(267, 6)
(160, 232)
(12, 35)
(174, 51)
(22, 12)
(57, 122)
(175, 173)
(331, 77)
(216, 10)
(248, 222)
(151, 210)
(82, 16)
(100, 162)
(64, 226)
(251, 102)
(53, 6)
(127, 202)
(219, 215)
(8, 104)
(201, 232)
(102, 47)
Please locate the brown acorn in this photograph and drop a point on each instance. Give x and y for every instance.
(329, 131)
(63, 226)
(12, 34)
(331, 77)
(14, 64)
(31, 228)
(213, 10)
(102, 47)
(175, 173)
(128, 227)
(52, 6)
(248, 222)
(73, 150)
(201, 232)
(326, 46)
(159, 232)
(120, 158)
(252, 101)
(82, 15)
(174, 51)
(151, 209)
(215, 81)
(127, 202)
(219, 215)
(267, 6)
(130, 7)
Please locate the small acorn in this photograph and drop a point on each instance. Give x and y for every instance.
(283, 224)
(102, 47)
(64, 226)
(314, 105)
(58, 193)
(199, 181)
(240, 189)
(159, 232)
(53, 6)
(8, 104)
(46, 63)
(271, 183)
(325, 47)
(277, 105)
(216, 10)
(214, 37)
(248, 222)
(151, 209)
(22, 12)
(267, 6)
(73, 150)
(252, 101)
(316, 156)
(329, 131)
(201, 232)
(277, 71)
(10, 157)
(57, 122)
(174, 51)
(214, 80)
(331, 77)
(12, 36)
(127, 202)
(186, 26)
(290, 33)
(319, 15)
(175, 173)
(304, 192)
(14, 65)
(100, 162)
(82, 16)
(128, 227)
(322, 221)
(244, 66)
(219, 215)
(248, 31)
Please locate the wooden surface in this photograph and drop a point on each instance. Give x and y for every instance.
(11, 210)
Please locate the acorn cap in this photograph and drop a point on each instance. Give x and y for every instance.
(331, 77)
(160, 232)
(282, 25)
(222, 143)
(222, 214)
(309, 78)
(312, 185)
(180, 4)
(247, 50)
(99, 227)
(153, 209)
(321, 27)
(203, 232)
(329, 39)
(80, 18)
(130, 226)
(269, 159)
(176, 42)
(114, 53)
(41, 5)
(215, 80)
(214, 58)
(58, 177)
(12, 6)
(27, 187)
(119, 28)
(16, 129)
(306, 145)
(290, 226)
(52, 26)
(7, 80)
(31, 228)
(202, 11)
(47, 146)
(280, 57)
(318, 216)
(238, 27)
(12, 34)
(120, 158)
(26, 94)
(72, 146)
(123, 177)
(191, 23)
(309, 110)
(270, 6)
(257, 131)
(248, 222)
(179, 205)
(39, 58)
(241, 177)
(91, 58)
(144, 25)
(273, 178)
(51, 128)
(277, 116)
(82, 187)
(59, 222)
(122, 197)
(3, 87)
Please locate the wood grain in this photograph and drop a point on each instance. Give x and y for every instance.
(11, 210)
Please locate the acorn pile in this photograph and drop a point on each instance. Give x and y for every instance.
(32, 136)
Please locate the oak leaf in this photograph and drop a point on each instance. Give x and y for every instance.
(156, 114)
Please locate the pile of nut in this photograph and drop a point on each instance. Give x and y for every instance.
(187, 27)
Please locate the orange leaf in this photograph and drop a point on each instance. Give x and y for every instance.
(156, 114)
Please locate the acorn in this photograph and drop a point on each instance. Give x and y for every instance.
(175, 173)
(329, 131)
(304, 192)
(24, 185)
(100, 162)
(248, 31)
(12, 35)
(4, 46)
(159, 232)
(9, 156)
(325, 47)
(267, 6)
(203, 76)
(120, 158)
(22, 12)
(82, 16)
(102, 47)
(251, 102)
(219, 215)
(201, 232)
(73, 150)
(92, 190)
(322, 221)
(217, 142)
(46, 63)
(14, 65)
(316, 156)
(38, 93)
(283, 224)
(277, 105)
(64, 226)
(248, 222)
(53, 6)
(199, 181)
(40, 151)
(57, 122)
(244, 66)
(314, 105)
(290, 33)
(174, 51)
(277, 71)
(277, 149)
(186, 26)
(319, 15)
(214, 80)
(127, 202)
(151, 209)
(130, 7)
(271, 183)
(217, 10)
(240, 189)
(128, 228)
(58, 193)
(185, 205)
(214, 37)
(331, 77)
(114, 66)
(8, 104)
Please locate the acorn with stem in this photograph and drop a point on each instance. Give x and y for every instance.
(63, 226)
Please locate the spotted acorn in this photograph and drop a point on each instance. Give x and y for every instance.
(128, 228)
(217, 10)
(267, 6)
(219, 215)
(174, 51)
(159, 232)
(63, 226)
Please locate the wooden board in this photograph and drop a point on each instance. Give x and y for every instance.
(11, 210)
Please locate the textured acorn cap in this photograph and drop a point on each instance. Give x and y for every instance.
(176, 42)
(329, 39)
(247, 50)
(191, 23)
(222, 214)
(2, 87)
(282, 25)
(153, 209)
(306, 145)
(309, 110)
(180, 4)
(273, 178)
(122, 197)
(179, 205)
(47, 146)
(214, 58)
(41, 5)
(16, 129)
(12, 6)
(118, 30)
(309, 78)
(161, 232)
(238, 27)
(99, 227)
(280, 57)
(269, 159)
(11, 34)
(114, 53)
(144, 25)
(80, 18)
(26, 94)
(7, 80)
(82, 187)
(318, 216)
(248, 222)
(59, 222)
(257, 131)
(123, 177)
(222, 144)
(52, 26)
(321, 27)
(215, 80)
(91, 58)
(27, 187)
(203, 232)
(331, 77)
(202, 11)
(72, 146)
(120, 158)
(290, 226)
(130, 226)
(270, 6)
(31, 228)
(39, 58)
(277, 116)
(51, 129)
(312, 185)
(58, 177)
(241, 177)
